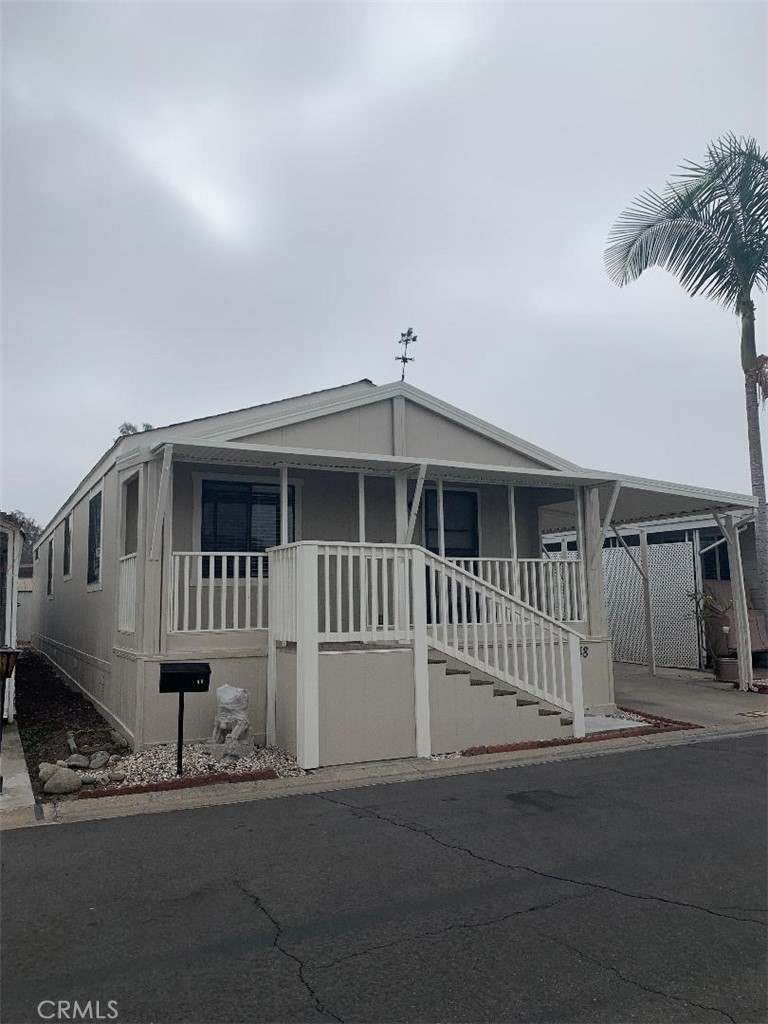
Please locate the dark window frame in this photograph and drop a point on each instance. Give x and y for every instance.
(451, 551)
(49, 583)
(66, 555)
(240, 493)
(95, 533)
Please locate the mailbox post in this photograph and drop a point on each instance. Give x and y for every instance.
(184, 677)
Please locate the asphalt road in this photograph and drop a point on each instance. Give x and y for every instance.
(616, 888)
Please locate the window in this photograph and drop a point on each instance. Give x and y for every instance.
(243, 517)
(66, 568)
(94, 539)
(460, 522)
(715, 564)
(49, 584)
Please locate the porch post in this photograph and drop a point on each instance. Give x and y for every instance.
(739, 594)
(440, 519)
(650, 639)
(420, 655)
(593, 562)
(307, 659)
(361, 507)
(283, 505)
(271, 653)
(513, 538)
(401, 507)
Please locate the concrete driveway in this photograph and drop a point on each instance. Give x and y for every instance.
(689, 697)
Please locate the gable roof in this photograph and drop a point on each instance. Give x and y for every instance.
(268, 417)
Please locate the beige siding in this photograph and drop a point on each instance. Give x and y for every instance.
(370, 428)
(366, 707)
(160, 709)
(285, 700)
(367, 429)
(428, 435)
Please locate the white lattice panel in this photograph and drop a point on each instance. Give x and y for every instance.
(671, 573)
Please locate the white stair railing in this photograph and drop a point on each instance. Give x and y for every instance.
(218, 591)
(552, 586)
(481, 625)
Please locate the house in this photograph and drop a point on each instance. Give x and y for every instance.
(11, 544)
(366, 561)
(24, 607)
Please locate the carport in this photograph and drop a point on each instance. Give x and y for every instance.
(624, 500)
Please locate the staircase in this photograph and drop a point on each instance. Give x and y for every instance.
(471, 708)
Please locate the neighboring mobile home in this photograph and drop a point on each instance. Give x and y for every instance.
(11, 544)
(366, 561)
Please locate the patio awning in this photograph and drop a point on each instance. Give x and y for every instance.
(639, 500)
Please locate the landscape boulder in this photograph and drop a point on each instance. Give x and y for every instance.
(99, 759)
(46, 770)
(63, 781)
(77, 761)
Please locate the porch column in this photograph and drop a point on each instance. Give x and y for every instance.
(283, 505)
(593, 561)
(307, 659)
(513, 538)
(440, 519)
(730, 531)
(361, 507)
(650, 639)
(401, 507)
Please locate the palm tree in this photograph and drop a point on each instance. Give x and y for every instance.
(709, 227)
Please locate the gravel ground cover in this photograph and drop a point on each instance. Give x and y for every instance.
(48, 711)
(158, 764)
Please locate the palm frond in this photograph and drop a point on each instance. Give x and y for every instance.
(709, 226)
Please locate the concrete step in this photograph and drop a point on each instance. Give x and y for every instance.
(504, 693)
(525, 702)
(480, 682)
(548, 711)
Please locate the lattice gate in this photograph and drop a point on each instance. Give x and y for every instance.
(672, 577)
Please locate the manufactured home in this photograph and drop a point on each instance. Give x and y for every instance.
(367, 561)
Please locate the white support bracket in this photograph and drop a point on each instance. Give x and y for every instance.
(416, 503)
(607, 521)
(162, 503)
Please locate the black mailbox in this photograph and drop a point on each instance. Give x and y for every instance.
(185, 677)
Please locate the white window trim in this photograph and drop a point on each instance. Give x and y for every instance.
(271, 481)
(69, 518)
(98, 584)
(454, 487)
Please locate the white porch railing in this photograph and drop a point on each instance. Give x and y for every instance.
(126, 594)
(218, 591)
(551, 586)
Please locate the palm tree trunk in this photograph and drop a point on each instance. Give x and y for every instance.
(756, 467)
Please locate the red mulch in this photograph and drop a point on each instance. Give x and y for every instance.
(191, 782)
(657, 724)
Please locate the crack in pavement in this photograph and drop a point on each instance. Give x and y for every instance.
(319, 1005)
(448, 928)
(365, 811)
(630, 981)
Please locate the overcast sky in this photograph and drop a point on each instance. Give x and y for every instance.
(211, 206)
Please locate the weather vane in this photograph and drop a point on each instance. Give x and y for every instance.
(406, 338)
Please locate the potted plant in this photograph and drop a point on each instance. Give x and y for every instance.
(706, 611)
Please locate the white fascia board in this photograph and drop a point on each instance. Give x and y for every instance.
(250, 421)
(479, 426)
(361, 461)
(724, 498)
